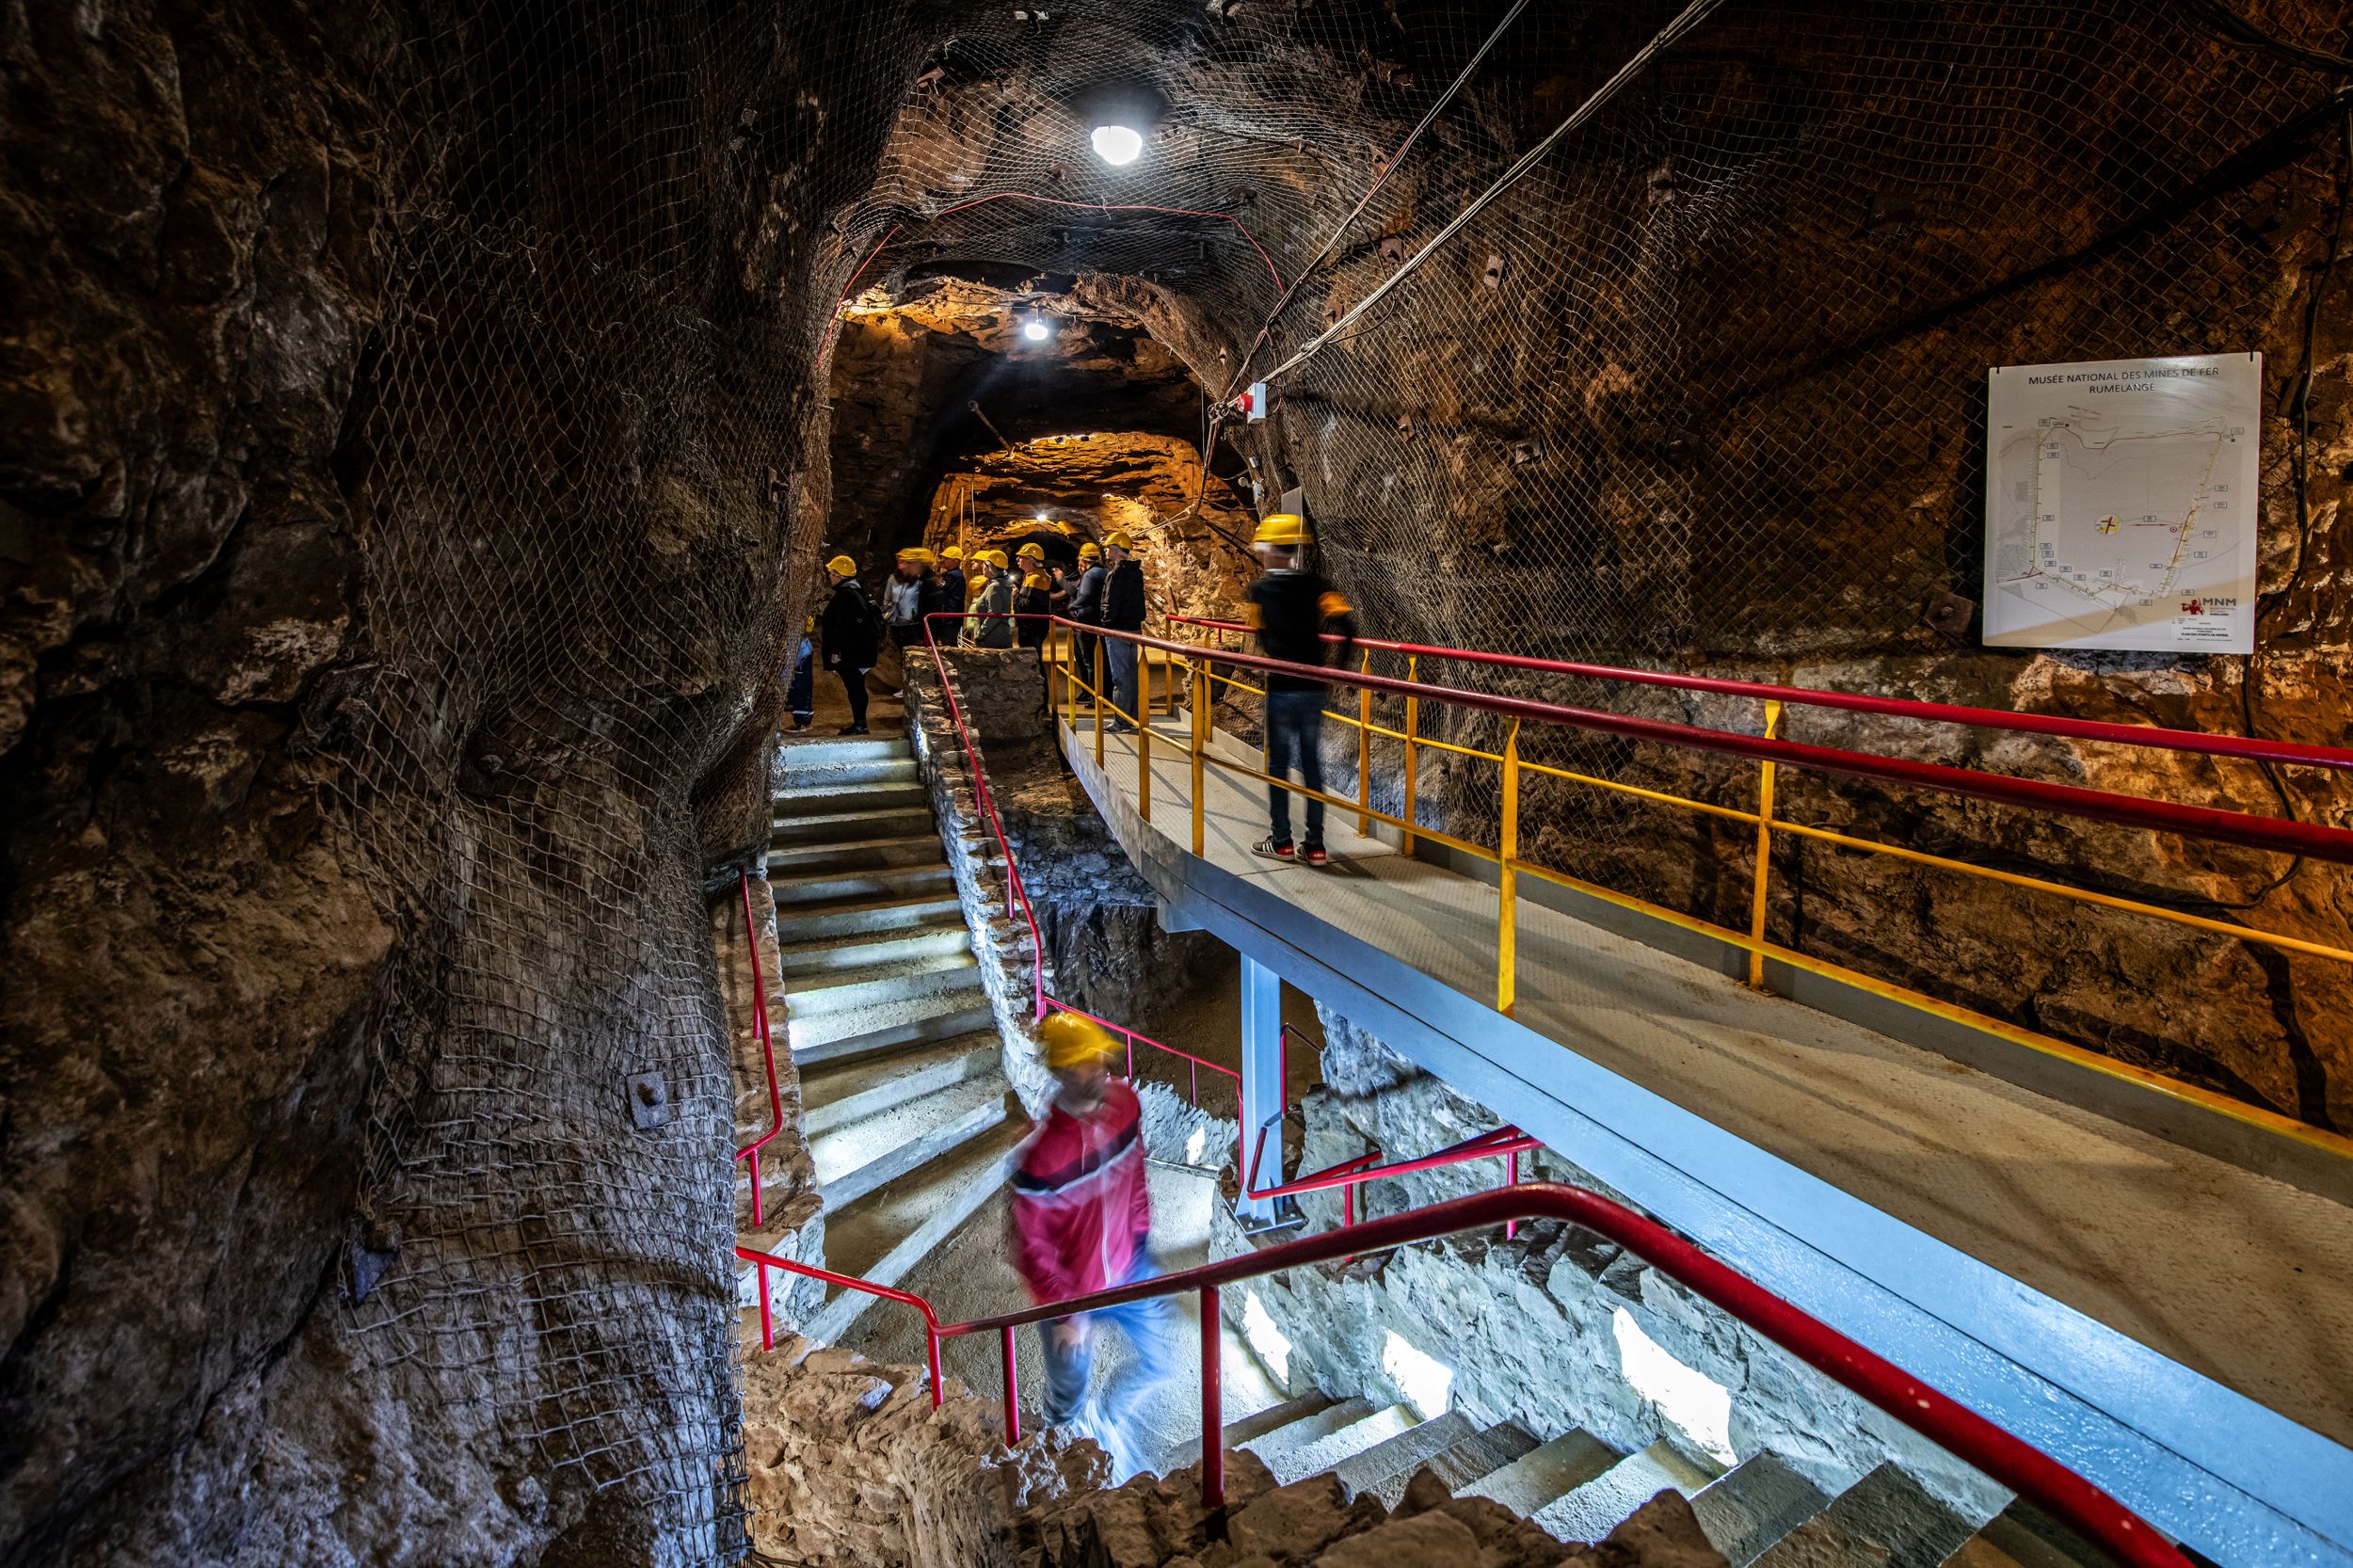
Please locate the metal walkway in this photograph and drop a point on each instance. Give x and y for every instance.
(2175, 1327)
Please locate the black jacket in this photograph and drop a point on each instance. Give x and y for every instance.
(1123, 598)
(848, 629)
(1086, 605)
(1034, 599)
(1291, 611)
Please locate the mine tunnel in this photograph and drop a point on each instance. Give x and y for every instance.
(1190, 784)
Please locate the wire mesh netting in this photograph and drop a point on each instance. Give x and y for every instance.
(1684, 396)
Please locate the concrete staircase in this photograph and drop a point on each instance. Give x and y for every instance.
(1760, 1514)
(903, 1093)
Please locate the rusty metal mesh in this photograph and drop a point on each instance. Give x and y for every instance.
(1744, 299)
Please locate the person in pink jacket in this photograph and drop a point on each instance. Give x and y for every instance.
(1082, 1222)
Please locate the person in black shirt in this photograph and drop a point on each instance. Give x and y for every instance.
(1292, 609)
(1123, 611)
(1086, 608)
(848, 632)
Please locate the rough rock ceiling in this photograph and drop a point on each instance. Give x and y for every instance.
(906, 374)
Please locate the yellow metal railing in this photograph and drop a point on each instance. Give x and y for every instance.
(1202, 678)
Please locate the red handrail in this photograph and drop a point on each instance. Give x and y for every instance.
(2252, 748)
(2281, 835)
(768, 1054)
(2006, 1458)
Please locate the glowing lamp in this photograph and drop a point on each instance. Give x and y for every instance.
(1117, 144)
(1036, 331)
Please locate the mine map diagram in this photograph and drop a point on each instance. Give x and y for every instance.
(2120, 507)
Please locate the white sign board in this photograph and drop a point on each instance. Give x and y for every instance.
(2121, 503)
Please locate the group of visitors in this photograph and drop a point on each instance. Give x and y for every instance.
(1291, 607)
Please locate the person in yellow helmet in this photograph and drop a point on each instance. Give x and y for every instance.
(989, 623)
(850, 631)
(1082, 1222)
(1031, 604)
(952, 590)
(912, 588)
(1123, 611)
(1292, 608)
(1086, 607)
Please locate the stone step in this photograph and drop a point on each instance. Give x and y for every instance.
(817, 799)
(847, 826)
(861, 855)
(822, 891)
(1298, 1464)
(840, 1093)
(2023, 1536)
(1549, 1471)
(1463, 1463)
(808, 922)
(897, 768)
(872, 950)
(1243, 1430)
(833, 992)
(1884, 1519)
(1403, 1454)
(1762, 1499)
(1591, 1512)
(844, 751)
(840, 1037)
(884, 1235)
(855, 1160)
(1305, 1431)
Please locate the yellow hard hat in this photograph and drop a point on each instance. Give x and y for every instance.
(1070, 1038)
(1089, 550)
(1031, 553)
(843, 564)
(917, 553)
(954, 552)
(994, 557)
(1282, 528)
(1117, 540)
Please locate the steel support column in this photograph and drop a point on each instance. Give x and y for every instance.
(1261, 1082)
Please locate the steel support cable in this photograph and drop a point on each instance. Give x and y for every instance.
(2231, 28)
(1397, 161)
(1668, 36)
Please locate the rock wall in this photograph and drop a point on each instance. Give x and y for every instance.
(406, 473)
(852, 1465)
(1529, 1325)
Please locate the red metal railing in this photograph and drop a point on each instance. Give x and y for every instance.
(2278, 834)
(1962, 1431)
(2248, 748)
(1041, 1002)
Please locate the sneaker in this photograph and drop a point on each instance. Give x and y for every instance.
(802, 727)
(853, 729)
(1120, 727)
(1313, 855)
(1274, 850)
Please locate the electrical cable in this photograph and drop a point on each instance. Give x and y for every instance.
(2232, 28)
(2299, 467)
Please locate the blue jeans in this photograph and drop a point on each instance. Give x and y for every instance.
(1122, 659)
(1149, 1326)
(800, 696)
(1294, 739)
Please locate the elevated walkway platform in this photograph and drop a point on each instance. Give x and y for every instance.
(2170, 1322)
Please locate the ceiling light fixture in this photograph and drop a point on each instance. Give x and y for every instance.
(1036, 331)
(1117, 144)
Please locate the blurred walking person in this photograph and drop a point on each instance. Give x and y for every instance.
(1082, 1216)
